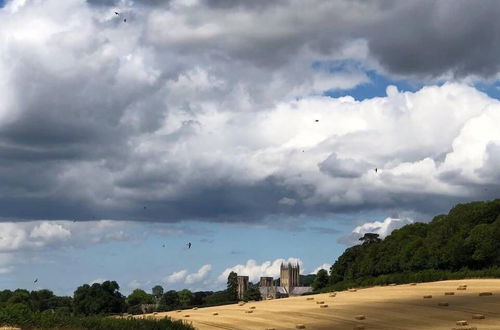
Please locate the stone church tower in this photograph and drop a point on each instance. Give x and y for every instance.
(289, 276)
(242, 286)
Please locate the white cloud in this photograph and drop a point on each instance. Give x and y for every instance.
(176, 277)
(184, 277)
(254, 270)
(323, 266)
(383, 228)
(134, 284)
(98, 280)
(48, 232)
(199, 276)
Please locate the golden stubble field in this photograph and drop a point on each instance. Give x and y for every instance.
(401, 307)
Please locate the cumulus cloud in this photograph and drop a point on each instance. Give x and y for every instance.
(31, 237)
(200, 275)
(323, 266)
(254, 270)
(176, 277)
(134, 284)
(183, 276)
(383, 228)
(183, 110)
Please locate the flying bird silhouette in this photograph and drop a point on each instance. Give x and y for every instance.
(36, 280)
(163, 245)
(117, 13)
(376, 170)
(317, 120)
(189, 245)
(125, 20)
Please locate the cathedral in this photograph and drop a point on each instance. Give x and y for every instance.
(289, 284)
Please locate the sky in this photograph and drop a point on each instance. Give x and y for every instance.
(251, 129)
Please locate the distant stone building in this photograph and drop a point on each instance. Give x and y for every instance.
(242, 286)
(289, 283)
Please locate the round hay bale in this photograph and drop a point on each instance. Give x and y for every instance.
(353, 290)
(186, 315)
(443, 303)
(319, 302)
(359, 327)
(428, 296)
(310, 298)
(195, 308)
(462, 322)
(461, 288)
(478, 316)
(449, 293)
(249, 311)
(332, 295)
(483, 294)
(360, 317)
(323, 306)
(300, 326)
(252, 307)
(270, 328)
(179, 310)
(413, 284)
(215, 313)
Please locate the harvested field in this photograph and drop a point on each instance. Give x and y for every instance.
(387, 308)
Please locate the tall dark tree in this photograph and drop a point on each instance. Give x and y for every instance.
(321, 280)
(232, 286)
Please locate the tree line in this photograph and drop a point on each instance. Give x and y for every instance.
(462, 242)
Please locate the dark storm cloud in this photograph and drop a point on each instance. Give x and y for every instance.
(430, 38)
(255, 4)
(175, 117)
(112, 3)
(344, 168)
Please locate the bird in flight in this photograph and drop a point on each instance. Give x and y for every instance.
(189, 245)
(317, 120)
(163, 245)
(117, 13)
(36, 280)
(376, 170)
(125, 20)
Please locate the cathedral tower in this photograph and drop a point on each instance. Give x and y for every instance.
(289, 276)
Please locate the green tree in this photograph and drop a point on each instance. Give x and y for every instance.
(185, 298)
(170, 299)
(139, 296)
(232, 286)
(252, 293)
(321, 280)
(370, 238)
(98, 299)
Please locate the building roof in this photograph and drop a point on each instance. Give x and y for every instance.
(300, 290)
